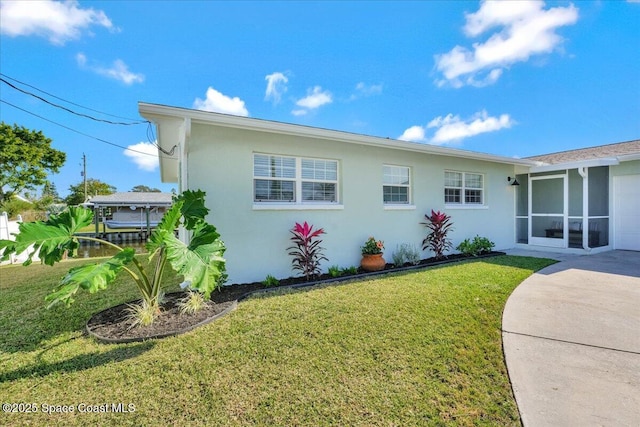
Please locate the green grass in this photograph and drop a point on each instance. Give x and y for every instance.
(421, 348)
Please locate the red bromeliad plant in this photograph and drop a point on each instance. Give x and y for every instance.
(306, 250)
(439, 225)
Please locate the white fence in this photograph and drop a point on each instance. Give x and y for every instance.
(7, 228)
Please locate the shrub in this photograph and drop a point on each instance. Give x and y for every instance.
(437, 241)
(476, 246)
(349, 270)
(14, 207)
(270, 281)
(306, 250)
(406, 253)
(335, 271)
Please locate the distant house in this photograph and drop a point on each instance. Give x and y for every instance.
(262, 176)
(138, 210)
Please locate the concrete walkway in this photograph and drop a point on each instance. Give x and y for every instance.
(571, 336)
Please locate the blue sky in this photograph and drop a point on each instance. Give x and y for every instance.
(509, 78)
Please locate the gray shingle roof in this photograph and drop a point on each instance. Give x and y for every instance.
(590, 153)
(133, 198)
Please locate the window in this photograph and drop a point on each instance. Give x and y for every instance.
(463, 188)
(319, 180)
(274, 178)
(294, 180)
(396, 185)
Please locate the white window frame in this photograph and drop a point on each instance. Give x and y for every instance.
(391, 204)
(463, 189)
(298, 180)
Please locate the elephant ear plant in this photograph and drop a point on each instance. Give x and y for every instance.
(200, 262)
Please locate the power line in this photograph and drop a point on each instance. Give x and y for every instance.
(152, 139)
(150, 135)
(69, 110)
(65, 100)
(78, 132)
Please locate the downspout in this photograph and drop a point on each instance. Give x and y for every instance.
(584, 173)
(183, 171)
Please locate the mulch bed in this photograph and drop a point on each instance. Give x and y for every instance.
(112, 325)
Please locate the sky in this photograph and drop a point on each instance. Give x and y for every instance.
(511, 78)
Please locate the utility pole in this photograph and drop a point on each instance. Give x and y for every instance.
(84, 175)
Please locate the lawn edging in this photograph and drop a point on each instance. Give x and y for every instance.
(361, 276)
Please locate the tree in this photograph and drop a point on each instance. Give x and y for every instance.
(144, 189)
(94, 187)
(50, 191)
(26, 158)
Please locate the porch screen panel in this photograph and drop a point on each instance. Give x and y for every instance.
(522, 209)
(598, 206)
(547, 208)
(547, 196)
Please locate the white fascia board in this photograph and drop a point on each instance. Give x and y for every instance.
(610, 161)
(629, 157)
(156, 112)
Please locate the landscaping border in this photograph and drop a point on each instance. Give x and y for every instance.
(108, 340)
(234, 304)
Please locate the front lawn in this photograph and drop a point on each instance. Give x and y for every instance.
(420, 348)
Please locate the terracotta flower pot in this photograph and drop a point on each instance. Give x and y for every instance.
(373, 262)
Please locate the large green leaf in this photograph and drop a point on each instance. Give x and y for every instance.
(92, 277)
(193, 208)
(201, 265)
(50, 239)
(169, 222)
(203, 234)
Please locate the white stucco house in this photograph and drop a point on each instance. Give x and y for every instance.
(262, 176)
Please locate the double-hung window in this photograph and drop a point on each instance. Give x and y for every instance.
(396, 185)
(294, 180)
(463, 188)
(319, 181)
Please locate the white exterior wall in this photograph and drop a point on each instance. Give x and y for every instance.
(220, 162)
(624, 222)
(626, 168)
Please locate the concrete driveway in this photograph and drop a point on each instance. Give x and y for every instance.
(571, 337)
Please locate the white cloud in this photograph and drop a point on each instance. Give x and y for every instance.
(363, 89)
(452, 128)
(118, 70)
(144, 155)
(414, 134)
(57, 21)
(276, 86)
(299, 112)
(218, 103)
(315, 98)
(524, 28)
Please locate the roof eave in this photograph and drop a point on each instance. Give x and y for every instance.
(158, 113)
(609, 161)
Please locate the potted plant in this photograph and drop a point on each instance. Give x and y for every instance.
(372, 259)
